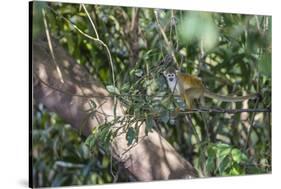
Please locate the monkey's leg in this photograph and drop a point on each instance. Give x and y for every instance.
(188, 101)
(191, 94)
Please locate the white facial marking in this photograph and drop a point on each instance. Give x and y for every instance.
(172, 82)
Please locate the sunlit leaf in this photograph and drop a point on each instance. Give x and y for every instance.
(238, 156)
(265, 64)
(112, 89)
(149, 123)
(138, 72)
(224, 164)
(235, 171)
(131, 135)
(164, 116)
(210, 164)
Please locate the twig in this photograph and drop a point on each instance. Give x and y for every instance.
(189, 121)
(229, 111)
(258, 23)
(94, 39)
(201, 56)
(133, 145)
(204, 118)
(165, 38)
(209, 110)
(51, 46)
(115, 176)
(251, 127)
(93, 25)
(68, 164)
(202, 163)
(109, 55)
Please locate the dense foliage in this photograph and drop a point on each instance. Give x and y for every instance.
(230, 52)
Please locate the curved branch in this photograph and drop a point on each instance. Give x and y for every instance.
(152, 159)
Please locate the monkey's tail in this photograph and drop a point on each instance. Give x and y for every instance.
(210, 94)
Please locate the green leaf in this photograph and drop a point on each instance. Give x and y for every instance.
(221, 146)
(223, 150)
(265, 64)
(107, 138)
(210, 164)
(164, 116)
(149, 123)
(244, 157)
(112, 89)
(223, 153)
(58, 181)
(131, 135)
(166, 102)
(90, 141)
(125, 87)
(138, 72)
(238, 156)
(211, 151)
(147, 55)
(93, 104)
(224, 164)
(235, 171)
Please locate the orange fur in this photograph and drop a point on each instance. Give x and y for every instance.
(191, 87)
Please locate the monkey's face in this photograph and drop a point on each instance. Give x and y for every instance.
(172, 81)
(171, 77)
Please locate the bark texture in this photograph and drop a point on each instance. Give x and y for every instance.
(153, 158)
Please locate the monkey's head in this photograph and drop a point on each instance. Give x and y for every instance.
(171, 78)
(170, 74)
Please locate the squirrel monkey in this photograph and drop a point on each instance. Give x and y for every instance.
(191, 87)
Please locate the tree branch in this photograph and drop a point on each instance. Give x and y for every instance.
(152, 159)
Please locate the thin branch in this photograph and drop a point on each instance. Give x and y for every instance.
(93, 25)
(133, 145)
(201, 163)
(165, 37)
(66, 92)
(207, 110)
(109, 55)
(201, 56)
(51, 46)
(258, 23)
(229, 111)
(189, 121)
(92, 38)
(251, 127)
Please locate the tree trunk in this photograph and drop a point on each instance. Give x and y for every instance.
(153, 158)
